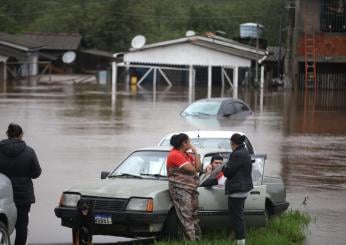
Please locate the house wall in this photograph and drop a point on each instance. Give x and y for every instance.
(330, 46)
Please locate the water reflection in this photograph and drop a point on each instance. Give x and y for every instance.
(78, 131)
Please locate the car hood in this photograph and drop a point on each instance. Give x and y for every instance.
(122, 188)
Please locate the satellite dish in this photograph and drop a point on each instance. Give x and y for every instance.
(68, 57)
(138, 41)
(190, 33)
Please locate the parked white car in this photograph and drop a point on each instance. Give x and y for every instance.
(8, 211)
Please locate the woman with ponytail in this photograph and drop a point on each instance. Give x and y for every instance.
(238, 184)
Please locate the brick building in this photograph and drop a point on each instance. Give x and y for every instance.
(317, 41)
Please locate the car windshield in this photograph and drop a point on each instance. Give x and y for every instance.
(203, 108)
(212, 143)
(143, 163)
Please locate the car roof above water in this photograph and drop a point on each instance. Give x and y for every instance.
(222, 134)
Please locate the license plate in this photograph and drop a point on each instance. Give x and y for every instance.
(103, 219)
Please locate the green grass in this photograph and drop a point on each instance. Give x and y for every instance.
(286, 229)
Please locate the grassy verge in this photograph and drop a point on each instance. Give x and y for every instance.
(287, 229)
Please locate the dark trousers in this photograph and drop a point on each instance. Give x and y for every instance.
(22, 224)
(236, 215)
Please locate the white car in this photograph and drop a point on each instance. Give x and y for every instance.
(8, 211)
(275, 204)
(209, 139)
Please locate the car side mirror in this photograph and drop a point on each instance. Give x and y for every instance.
(104, 174)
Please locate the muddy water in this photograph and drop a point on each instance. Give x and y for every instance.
(77, 132)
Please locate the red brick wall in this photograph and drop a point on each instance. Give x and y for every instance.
(326, 45)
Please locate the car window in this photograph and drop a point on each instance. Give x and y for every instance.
(143, 162)
(203, 108)
(227, 108)
(240, 107)
(207, 158)
(258, 169)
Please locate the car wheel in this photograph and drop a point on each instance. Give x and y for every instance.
(172, 228)
(4, 235)
(267, 212)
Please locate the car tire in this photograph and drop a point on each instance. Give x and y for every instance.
(173, 229)
(4, 235)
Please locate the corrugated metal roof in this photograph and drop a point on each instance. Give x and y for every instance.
(19, 42)
(11, 52)
(227, 52)
(215, 40)
(56, 41)
(274, 53)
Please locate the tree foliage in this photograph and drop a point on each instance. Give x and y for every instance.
(111, 24)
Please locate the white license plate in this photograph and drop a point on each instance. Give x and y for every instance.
(103, 219)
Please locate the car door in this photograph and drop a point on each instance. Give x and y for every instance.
(227, 109)
(213, 203)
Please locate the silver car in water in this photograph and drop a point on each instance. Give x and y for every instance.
(8, 211)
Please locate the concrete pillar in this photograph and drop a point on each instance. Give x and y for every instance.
(114, 80)
(262, 77)
(261, 100)
(209, 80)
(235, 82)
(154, 84)
(190, 83)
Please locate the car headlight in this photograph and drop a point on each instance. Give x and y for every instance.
(69, 199)
(140, 204)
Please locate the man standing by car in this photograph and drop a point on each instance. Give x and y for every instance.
(182, 170)
(238, 184)
(19, 163)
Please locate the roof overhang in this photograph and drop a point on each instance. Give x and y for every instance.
(196, 50)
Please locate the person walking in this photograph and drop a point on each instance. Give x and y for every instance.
(238, 184)
(182, 171)
(19, 163)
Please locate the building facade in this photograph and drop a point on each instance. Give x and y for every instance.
(317, 41)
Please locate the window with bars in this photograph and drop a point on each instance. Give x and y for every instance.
(333, 16)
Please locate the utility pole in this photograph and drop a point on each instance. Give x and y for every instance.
(257, 33)
(280, 44)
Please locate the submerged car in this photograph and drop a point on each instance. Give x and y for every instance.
(8, 211)
(133, 199)
(217, 107)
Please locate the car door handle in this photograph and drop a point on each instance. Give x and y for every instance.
(255, 193)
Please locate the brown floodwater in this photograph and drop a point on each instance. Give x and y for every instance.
(78, 131)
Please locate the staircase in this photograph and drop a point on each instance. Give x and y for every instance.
(310, 48)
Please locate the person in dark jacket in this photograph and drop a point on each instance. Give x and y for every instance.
(19, 163)
(238, 184)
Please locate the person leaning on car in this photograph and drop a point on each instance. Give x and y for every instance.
(213, 174)
(238, 184)
(19, 163)
(182, 171)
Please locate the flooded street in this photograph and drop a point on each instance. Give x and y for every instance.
(77, 132)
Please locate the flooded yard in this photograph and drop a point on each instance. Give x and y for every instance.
(78, 131)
